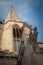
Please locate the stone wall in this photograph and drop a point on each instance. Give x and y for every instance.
(31, 57)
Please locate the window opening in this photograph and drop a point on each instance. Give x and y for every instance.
(17, 33)
(14, 32)
(15, 47)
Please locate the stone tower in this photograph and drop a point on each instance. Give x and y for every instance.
(13, 32)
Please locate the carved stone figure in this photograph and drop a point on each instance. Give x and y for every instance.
(35, 33)
(33, 36)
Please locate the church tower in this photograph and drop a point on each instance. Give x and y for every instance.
(13, 32)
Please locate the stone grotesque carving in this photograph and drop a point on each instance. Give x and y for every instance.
(33, 36)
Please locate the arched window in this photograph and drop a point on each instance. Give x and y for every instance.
(17, 33)
(14, 32)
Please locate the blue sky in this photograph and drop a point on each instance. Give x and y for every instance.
(30, 11)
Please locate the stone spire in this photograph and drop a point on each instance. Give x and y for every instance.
(12, 15)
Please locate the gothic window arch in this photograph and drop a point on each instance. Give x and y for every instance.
(17, 37)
